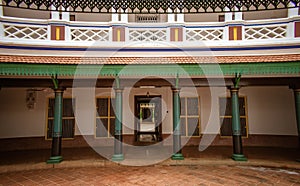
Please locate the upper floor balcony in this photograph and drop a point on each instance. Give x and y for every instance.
(55, 28)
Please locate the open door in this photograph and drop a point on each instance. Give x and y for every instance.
(148, 123)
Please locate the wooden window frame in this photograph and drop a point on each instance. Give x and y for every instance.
(185, 116)
(226, 116)
(109, 117)
(52, 118)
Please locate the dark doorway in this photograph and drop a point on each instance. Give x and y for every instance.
(148, 126)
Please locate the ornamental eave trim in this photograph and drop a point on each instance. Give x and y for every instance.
(152, 6)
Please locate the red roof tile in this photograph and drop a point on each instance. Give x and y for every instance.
(147, 60)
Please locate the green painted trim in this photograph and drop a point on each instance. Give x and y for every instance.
(283, 68)
(117, 157)
(55, 160)
(177, 156)
(239, 157)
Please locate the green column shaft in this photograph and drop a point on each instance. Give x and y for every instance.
(297, 106)
(236, 127)
(58, 105)
(236, 123)
(118, 147)
(176, 126)
(57, 128)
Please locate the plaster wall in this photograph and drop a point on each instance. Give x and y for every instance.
(270, 110)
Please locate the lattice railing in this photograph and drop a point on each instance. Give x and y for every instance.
(199, 34)
(265, 32)
(31, 32)
(147, 35)
(89, 34)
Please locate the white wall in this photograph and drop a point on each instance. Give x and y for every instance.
(270, 110)
(16, 120)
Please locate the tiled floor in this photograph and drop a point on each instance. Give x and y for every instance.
(154, 175)
(83, 166)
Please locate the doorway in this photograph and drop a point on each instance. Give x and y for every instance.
(148, 126)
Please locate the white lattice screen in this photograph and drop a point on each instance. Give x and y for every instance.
(204, 34)
(266, 32)
(32, 32)
(147, 35)
(89, 34)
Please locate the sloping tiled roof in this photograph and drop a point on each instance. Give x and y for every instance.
(147, 60)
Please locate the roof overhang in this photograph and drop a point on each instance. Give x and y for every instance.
(152, 6)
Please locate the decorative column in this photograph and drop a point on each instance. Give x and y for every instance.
(118, 146)
(57, 128)
(297, 105)
(177, 155)
(236, 122)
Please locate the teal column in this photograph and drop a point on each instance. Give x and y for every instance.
(236, 127)
(297, 105)
(118, 146)
(57, 128)
(177, 155)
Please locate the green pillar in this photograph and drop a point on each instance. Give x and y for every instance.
(177, 155)
(297, 105)
(118, 146)
(57, 128)
(236, 127)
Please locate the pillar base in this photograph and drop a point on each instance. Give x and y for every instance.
(117, 157)
(177, 156)
(239, 157)
(54, 160)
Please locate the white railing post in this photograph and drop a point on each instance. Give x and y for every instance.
(1, 25)
(228, 15)
(227, 18)
(1, 9)
(124, 17)
(54, 14)
(66, 17)
(114, 16)
(171, 16)
(180, 17)
(292, 12)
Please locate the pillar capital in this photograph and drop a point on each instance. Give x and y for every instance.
(234, 89)
(59, 90)
(119, 90)
(176, 89)
(297, 90)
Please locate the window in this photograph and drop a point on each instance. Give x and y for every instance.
(147, 18)
(189, 117)
(68, 119)
(226, 118)
(105, 119)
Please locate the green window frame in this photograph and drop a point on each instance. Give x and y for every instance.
(68, 118)
(105, 117)
(226, 116)
(190, 116)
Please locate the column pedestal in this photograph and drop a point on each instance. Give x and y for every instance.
(57, 129)
(236, 127)
(177, 155)
(118, 146)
